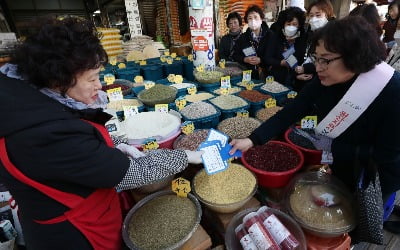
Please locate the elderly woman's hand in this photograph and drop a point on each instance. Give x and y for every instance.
(304, 77)
(253, 60)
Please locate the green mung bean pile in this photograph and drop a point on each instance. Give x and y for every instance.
(162, 222)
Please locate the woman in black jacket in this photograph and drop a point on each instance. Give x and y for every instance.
(227, 44)
(287, 50)
(251, 47)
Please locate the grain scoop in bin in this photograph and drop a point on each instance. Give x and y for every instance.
(321, 204)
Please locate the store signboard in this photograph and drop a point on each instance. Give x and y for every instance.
(202, 32)
(133, 16)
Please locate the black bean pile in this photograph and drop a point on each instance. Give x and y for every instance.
(301, 140)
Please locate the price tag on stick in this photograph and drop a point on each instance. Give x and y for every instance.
(181, 187)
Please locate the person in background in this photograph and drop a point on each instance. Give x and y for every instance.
(390, 25)
(250, 48)
(367, 130)
(56, 157)
(319, 13)
(234, 23)
(287, 50)
(371, 15)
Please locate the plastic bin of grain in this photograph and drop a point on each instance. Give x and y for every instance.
(188, 69)
(191, 141)
(238, 127)
(256, 100)
(158, 94)
(266, 113)
(152, 72)
(229, 105)
(118, 105)
(198, 97)
(231, 91)
(125, 85)
(275, 89)
(175, 68)
(202, 114)
(256, 84)
(128, 73)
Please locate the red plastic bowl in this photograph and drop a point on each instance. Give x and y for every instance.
(275, 179)
(167, 143)
(311, 156)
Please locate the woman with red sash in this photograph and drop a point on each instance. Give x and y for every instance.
(56, 157)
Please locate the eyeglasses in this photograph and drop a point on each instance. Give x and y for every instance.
(323, 62)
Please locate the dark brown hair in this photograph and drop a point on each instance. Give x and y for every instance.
(325, 6)
(253, 8)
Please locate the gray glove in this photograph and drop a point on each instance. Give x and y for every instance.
(194, 157)
(130, 150)
(320, 142)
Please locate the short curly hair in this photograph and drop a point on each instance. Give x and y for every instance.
(234, 15)
(288, 15)
(59, 51)
(254, 8)
(355, 40)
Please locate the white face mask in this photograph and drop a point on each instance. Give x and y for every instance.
(254, 24)
(290, 31)
(396, 37)
(317, 22)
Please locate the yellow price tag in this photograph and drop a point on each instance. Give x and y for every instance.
(171, 77)
(138, 79)
(130, 111)
(200, 68)
(115, 94)
(292, 94)
(270, 102)
(170, 60)
(166, 53)
(113, 61)
(148, 85)
(246, 76)
(102, 68)
(178, 59)
(173, 55)
(163, 58)
(122, 66)
(163, 108)
(181, 187)
(192, 90)
(222, 63)
(309, 122)
(109, 79)
(178, 79)
(142, 62)
(269, 79)
(150, 144)
(226, 81)
(190, 57)
(249, 85)
(180, 103)
(224, 90)
(242, 113)
(187, 127)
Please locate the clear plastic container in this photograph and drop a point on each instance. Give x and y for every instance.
(321, 204)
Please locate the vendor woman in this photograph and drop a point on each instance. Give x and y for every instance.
(57, 159)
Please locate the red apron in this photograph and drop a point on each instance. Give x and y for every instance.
(98, 217)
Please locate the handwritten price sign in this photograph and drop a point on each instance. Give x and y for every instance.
(181, 187)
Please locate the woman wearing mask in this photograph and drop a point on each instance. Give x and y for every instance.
(56, 156)
(250, 48)
(356, 98)
(319, 14)
(234, 23)
(287, 50)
